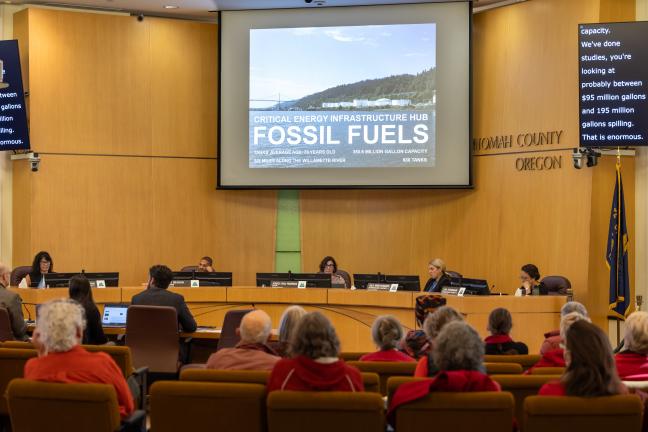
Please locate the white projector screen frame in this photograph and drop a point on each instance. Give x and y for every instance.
(452, 146)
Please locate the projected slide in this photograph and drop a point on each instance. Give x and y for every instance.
(343, 97)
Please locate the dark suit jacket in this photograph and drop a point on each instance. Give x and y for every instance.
(13, 303)
(161, 297)
(444, 280)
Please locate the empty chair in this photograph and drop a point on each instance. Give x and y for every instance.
(190, 268)
(526, 360)
(556, 285)
(6, 333)
(503, 368)
(18, 344)
(18, 273)
(521, 387)
(67, 408)
(152, 336)
(457, 412)
(232, 321)
(292, 411)
(12, 365)
(570, 413)
(385, 370)
(207, 406)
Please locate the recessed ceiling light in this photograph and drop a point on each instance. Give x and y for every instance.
(171, 7)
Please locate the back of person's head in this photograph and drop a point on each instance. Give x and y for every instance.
(80, 291)
(440, 318)
(387, 332)
(500, 322)
(324, 261)
(289, 321)
(427, 304)
(573, 306)
(569, 319)
(255, 327)
(315, 337)
(635, 337)
(162, 276)
(458, 347)
(591, 370)
(37, 259)
(532, 271)
(60, 324)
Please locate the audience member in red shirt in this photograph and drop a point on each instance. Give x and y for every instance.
(59, 330)
(459, 354)
(500, 323)
(555, 358)
(590, 365)
(433, 325)
(552, 339)
(634, 359)
(387, 333)
(315, 365)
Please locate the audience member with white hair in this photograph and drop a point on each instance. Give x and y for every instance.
(633, 360)
(59, 330)
(252, 352)
(387, 333)
(556, 357)
(552, 339)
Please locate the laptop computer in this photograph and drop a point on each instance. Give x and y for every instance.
(114, 315)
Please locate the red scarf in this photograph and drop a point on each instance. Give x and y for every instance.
(498, 339)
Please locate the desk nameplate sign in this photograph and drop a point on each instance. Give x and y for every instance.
(371, 286)
(288, 284)
(97, 284)
(450, 290)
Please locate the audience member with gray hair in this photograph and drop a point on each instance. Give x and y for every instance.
(387, 334)
(633, 360)
(315, 365)
(552, 339)
(500, 323)
(459, 353)
(287, 327)
(433, 324)
(57, 338)
(252, 352)
(556, 357)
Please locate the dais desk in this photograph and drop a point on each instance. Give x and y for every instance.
(351, 312)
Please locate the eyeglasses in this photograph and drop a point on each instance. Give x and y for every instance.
(330, 265)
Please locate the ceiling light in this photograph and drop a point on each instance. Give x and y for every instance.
(171, 7)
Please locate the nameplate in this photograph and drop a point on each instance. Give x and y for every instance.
(450, 290)
(183, 283)
(372, 286)
(97, 284)
(288, 284)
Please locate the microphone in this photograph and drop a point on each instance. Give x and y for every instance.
(29, 318)
(290, 275)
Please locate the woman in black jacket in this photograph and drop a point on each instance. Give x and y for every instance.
(499, 342)
(81, 292)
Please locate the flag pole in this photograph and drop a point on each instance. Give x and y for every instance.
(618, 162)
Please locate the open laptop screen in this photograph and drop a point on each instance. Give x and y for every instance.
(114, 315)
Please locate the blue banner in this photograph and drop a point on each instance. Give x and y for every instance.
(617, 255)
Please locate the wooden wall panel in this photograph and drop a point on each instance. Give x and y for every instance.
(113, 85)
(125, 214)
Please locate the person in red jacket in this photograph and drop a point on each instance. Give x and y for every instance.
(387, 333)
(459, 354)
(590, 365)
(59, 329)
(634, 359)
(556, 357)
(433, 325)
(315, 365)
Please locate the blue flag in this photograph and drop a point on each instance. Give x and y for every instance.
(617, 255)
